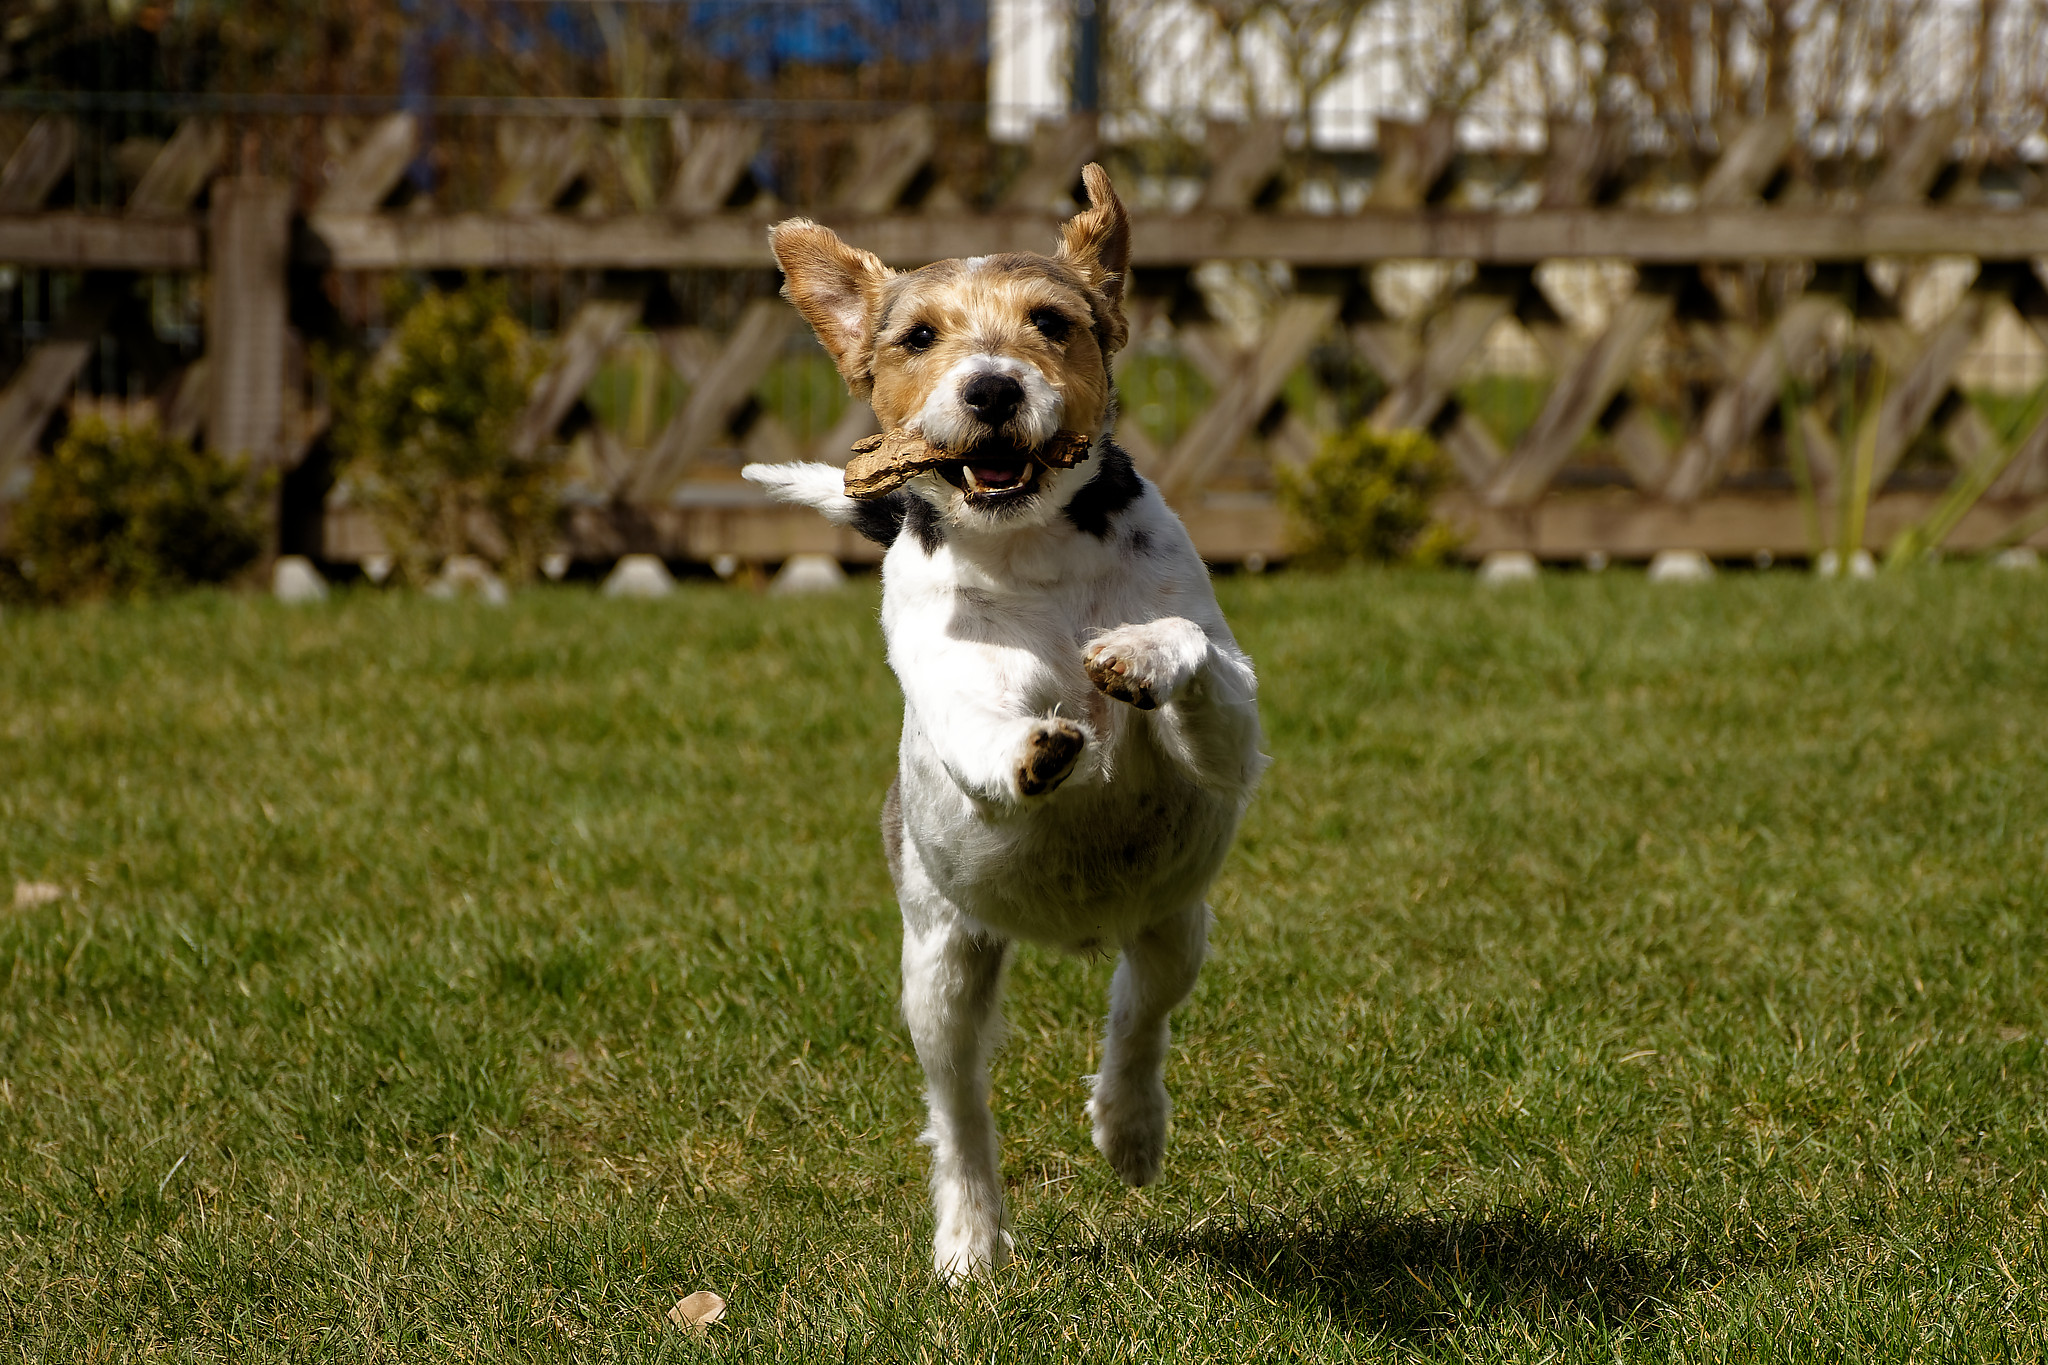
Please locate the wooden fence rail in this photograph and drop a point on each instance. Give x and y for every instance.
(1663, 413)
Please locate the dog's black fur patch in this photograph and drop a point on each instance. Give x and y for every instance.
(1116, 485)
(883, 519)
(923, 520)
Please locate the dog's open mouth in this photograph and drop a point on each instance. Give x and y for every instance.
(994, 471)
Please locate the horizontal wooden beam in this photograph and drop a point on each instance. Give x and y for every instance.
(82, 241)
(1626, 525)
(657, 242)
(1563, 528)
(94, 241)
(739, 522)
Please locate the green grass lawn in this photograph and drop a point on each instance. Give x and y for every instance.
(1605, 972)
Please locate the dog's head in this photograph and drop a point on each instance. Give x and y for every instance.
(988, 356)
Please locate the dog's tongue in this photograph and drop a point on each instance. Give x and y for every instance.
(997, 476)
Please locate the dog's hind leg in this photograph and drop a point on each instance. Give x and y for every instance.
(1130, 1108)
(952, 1000)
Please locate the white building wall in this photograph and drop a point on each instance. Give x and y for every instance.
(1406, 52)
(1030, 48)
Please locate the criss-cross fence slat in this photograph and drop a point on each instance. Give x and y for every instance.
(177, 174)
(1587, 388)
(714, 158)
(174, 178)
(584, 343)
(1739, 409)
(1657, 429)
(366, 177)
(43, 158)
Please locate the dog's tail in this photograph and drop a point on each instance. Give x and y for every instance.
(823, 487)
(808, 484)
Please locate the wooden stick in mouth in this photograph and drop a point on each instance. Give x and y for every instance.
(882, 464)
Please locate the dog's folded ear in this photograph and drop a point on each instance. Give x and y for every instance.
(1097, 242)
(837, 288)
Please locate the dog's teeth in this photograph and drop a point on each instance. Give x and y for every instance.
(972, 482)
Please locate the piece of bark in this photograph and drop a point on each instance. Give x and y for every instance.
(882, 464)
(698, 1310)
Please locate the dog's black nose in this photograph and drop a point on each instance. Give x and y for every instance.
(993, 397)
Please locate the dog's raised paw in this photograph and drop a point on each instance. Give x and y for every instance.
(1144, 665)
(1050, 752)
(1111, 674)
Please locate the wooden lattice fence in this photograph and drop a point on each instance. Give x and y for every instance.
(1678, 420)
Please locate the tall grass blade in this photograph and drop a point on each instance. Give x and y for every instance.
(1862, 466)
(1802, 466)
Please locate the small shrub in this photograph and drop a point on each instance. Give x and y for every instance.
(424, 432)
(1367, 496)
(126, 511)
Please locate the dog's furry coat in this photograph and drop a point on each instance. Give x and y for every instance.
(1080, 730)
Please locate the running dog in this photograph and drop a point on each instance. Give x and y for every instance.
(1080, 729)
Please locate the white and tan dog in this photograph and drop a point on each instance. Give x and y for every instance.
(1080, 730)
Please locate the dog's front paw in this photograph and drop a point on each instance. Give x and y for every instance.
(1051, 748)
(1146, 665)
(1130, 1122)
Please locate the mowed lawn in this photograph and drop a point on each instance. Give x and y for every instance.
(1606, 971)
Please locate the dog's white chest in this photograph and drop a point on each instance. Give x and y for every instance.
(1130, 835)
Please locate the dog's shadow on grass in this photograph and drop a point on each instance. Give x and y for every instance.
(1409, 1275)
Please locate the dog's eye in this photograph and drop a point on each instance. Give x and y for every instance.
(1052, 324)
(919, 338)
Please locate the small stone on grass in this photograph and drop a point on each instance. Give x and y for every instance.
(1508, 566)
(642, 576)
(808, 573)
(468, 576)
(2017, 557)
(1680, 566)
(294, 579)
(1861, 565)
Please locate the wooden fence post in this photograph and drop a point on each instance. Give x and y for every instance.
(249, 245)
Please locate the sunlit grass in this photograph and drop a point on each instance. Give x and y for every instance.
(1604, 971)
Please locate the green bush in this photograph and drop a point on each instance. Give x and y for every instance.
(126, 511)
(424, 432)
(1367, 495)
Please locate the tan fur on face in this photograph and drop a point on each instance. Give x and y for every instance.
(863, 312)
(983, 306)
